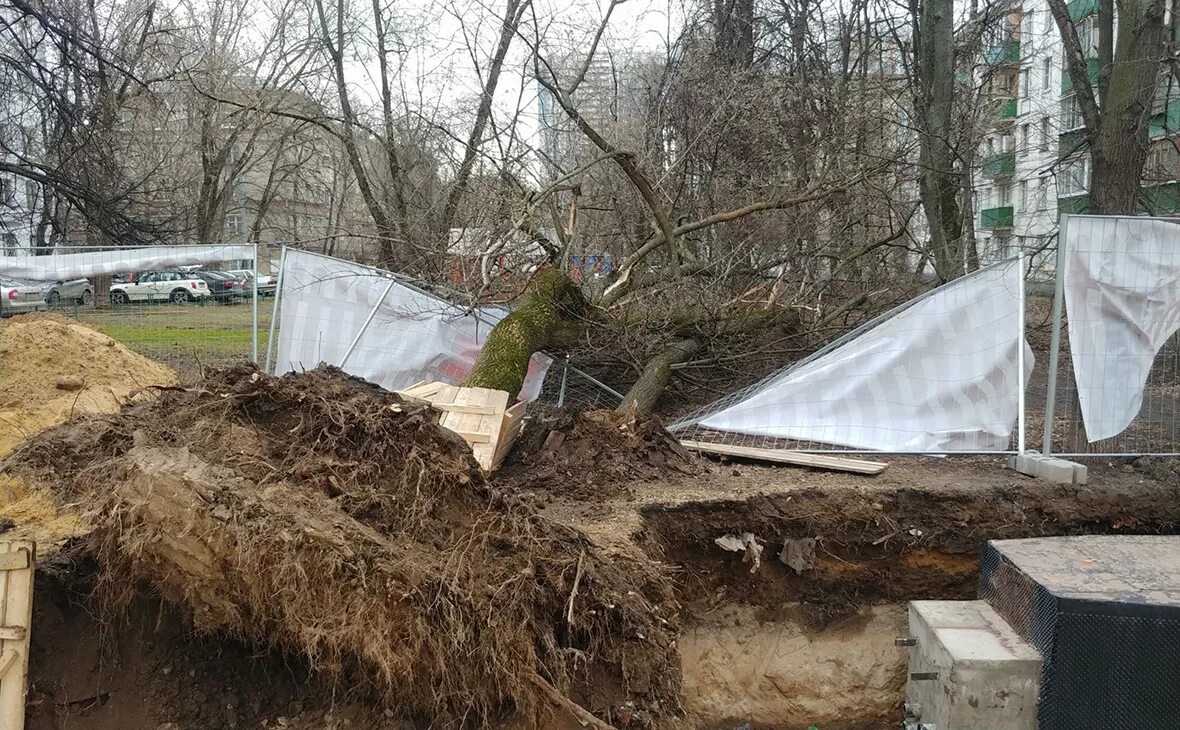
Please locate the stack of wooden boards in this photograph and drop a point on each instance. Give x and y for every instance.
(481, 416)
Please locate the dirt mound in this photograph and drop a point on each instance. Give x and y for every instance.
(322, 514)
(53, 368)
(591, 454)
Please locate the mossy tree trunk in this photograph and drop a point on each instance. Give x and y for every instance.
(551, 299)
(642, 396)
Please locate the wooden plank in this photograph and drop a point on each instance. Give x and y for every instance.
(783, 456)
(473, 437)
(426, 391)
(18, 560)
(16, 613)
(466, 408)
(7, 660)
(12, 633)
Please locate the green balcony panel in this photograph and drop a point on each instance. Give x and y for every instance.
(1070, 143)
(1074, 204)
(1003, 53)
(1079, 9)
(1008, 111)
(1157, 199)
(1001, 164)
(1091, 71)
(993, 218)
(1166, 122)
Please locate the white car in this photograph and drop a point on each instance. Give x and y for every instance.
(17, 297)
(161, 286)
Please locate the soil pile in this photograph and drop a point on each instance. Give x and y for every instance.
(51, 368)
(324, 515)
(591, 454)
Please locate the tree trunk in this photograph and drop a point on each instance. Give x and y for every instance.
(551, 298)
(939, 183)
(646, 391)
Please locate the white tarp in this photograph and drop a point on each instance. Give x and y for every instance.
(66, 266)
(1122, 297)
(413, 336)
(938, 376)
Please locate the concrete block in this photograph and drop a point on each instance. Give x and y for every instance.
(1049, 467)
(969, 670)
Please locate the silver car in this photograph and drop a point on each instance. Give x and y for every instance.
(77, 291)
(17, 297)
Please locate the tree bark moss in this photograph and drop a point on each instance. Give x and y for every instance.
(551, 298)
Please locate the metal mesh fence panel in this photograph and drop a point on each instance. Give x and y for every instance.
(189, 316)
(1114, 385)
(942, 373)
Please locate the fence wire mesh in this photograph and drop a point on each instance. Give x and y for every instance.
(190, 317)
(1115, 390)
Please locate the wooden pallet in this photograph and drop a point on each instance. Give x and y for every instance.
(783, 456)
(17, 558)
(481, 416)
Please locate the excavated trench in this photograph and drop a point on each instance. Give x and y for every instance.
(771, 646)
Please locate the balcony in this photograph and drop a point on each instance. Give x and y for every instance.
(1071, 142)
(1091, 71)
(1003, 53)
(1166, 121)
(991, 219)
(1079, 9)
(1159, 199)
(1009, 110)
(1001, 164)
(1074, 203)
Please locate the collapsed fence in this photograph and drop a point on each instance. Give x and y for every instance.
(948, 372)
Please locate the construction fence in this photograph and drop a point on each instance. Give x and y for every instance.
(974, 366)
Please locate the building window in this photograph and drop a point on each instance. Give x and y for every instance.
(991, 146)
(1071, 115)
(1087, 36)
(31, 194)
(1024, 83)
(1075, 177)
(1046, 72)
(10, 244)
(6, 190)
(1023, 195)
(1046, 133)
(235, 225)
(1024, 135)
(1004, 193)
(1042, 197)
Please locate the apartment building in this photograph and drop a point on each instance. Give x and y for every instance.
(1034, 164)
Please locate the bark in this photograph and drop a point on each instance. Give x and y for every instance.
(551, 299)
(1117, 114)
(646, 391)
(939, 182)
(507, 31)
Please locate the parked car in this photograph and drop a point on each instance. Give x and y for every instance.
(222, 287)
(17, 297)
(161, 286)
(78, 291)
(266, 284)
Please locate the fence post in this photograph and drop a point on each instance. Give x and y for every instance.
(254, 314)
(365, 325)
(565, 371)
(271, 345)
(1055, 342)
(1020, 398)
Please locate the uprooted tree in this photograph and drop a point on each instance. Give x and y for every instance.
(796, 227)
